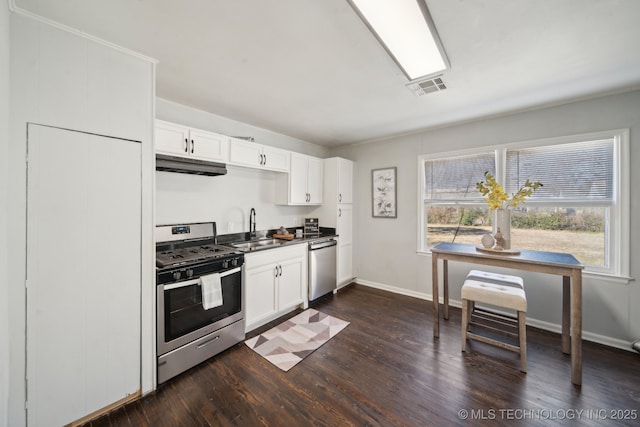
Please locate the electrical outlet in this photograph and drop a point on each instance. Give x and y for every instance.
(296, 221)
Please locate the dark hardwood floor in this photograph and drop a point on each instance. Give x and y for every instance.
(385, 369)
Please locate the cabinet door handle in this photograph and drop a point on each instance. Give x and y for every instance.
(280, 268)
(340, 197)
(275, 271)
(186, 145)
(339, 213)
(193, 145)
(265, 159)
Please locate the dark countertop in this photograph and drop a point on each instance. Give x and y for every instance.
(230, 239)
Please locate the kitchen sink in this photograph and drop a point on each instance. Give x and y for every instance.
(256, 244)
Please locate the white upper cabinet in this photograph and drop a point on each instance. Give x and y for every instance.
(209, 146)
(345, 181)
(254, 155)
(171, 138)
(305, 180)
(314, 180)
(303, 184)
(178, 140)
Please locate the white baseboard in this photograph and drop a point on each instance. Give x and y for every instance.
(394, 289)
(540, 324)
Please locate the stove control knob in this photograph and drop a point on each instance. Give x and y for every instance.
(189, 272)
(225, 263)
(234, 262)
(176, 275)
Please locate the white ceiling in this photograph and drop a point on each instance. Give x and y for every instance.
(310, 69)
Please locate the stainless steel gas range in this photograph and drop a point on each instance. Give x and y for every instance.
(200, 303)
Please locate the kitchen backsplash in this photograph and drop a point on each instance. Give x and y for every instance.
(227, 199)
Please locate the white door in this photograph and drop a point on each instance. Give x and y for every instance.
(290, 283)
(83, 273)
(260, 294)
(345, 223)
(345, 264)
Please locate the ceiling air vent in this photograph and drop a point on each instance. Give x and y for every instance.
(424, 87)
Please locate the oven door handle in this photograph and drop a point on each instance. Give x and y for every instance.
(229, 272)
(197, 281)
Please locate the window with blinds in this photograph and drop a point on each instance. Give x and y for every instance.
(454, 179)
(580, 172)
(582, 207)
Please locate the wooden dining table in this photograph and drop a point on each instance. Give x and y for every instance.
(562, 264)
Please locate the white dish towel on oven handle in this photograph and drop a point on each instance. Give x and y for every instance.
(211, 291)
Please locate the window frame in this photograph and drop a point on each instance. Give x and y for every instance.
(617, 243)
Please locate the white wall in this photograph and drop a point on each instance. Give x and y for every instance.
(226, 199)
(386, 248)
(62, 79)
(4, 179)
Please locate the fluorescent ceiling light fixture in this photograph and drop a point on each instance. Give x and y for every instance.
(407, 32)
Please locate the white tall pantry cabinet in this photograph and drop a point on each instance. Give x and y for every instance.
(337, 212)
(81, 130)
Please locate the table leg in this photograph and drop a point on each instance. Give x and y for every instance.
(566, 314)
(576, 327)
(434, 295)
(445, 287)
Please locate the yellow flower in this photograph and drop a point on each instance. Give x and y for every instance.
(497, 198)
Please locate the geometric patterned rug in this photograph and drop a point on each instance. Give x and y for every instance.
(291, 341)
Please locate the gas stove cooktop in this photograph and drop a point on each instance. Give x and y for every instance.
(185, 244)
(190, 254)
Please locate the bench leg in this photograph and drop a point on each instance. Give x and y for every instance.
(465, 323)
(522, 334)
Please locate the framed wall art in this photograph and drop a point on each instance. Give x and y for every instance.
(383, 193)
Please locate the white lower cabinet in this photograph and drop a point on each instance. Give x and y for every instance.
(345, 263)
(275, 283)
(345, 244)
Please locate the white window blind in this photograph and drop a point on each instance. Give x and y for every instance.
(569, 172)
(454, 178)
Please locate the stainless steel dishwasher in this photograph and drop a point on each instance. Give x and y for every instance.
(322, 268)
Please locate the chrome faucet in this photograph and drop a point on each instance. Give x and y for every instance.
(252, 223)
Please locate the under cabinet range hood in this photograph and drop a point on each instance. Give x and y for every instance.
(177, 164)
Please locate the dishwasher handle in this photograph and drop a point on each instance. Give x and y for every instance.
(322, 245)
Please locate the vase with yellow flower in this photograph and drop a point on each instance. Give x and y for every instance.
(501, 203)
